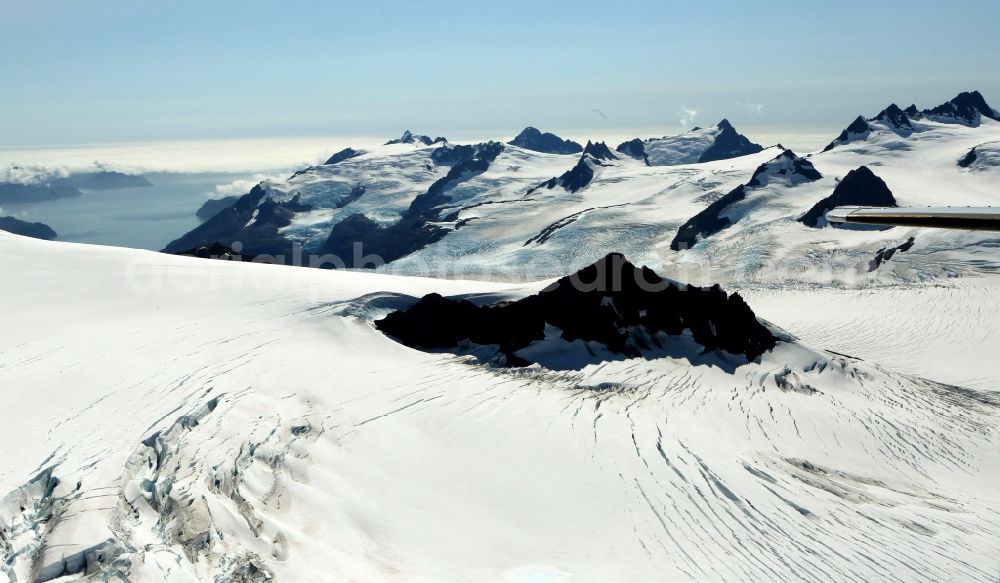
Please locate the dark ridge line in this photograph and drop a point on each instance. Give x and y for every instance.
(548, 231)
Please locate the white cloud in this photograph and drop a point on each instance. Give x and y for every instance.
(241, 186)
(209, 156)
(751, 108)
(688, 116)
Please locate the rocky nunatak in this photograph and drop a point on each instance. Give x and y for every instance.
(630, 311)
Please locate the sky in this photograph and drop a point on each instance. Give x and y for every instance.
(117, 71)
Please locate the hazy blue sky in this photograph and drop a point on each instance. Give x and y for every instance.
(117, 70)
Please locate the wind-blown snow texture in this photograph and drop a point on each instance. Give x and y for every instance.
(176, 419)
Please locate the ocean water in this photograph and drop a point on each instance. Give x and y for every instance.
(143, 218)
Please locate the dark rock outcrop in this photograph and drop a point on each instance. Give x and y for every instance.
(252, 220)
(345, 154)
(599, 151)
(357, 241)
(858, 128)
(532, 139)
(886, 254)
(19, 227)
(630, 312)
(968, 159)
(217, 251)
(634, 148)
(894, 116)
(710, 221)
(861, 187)
(729, 144)
(580, 175)
(967, 107)
(214, 206)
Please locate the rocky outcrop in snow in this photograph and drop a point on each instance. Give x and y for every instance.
(345, 154)
(861, 187)
(787, 167)
(609, 306)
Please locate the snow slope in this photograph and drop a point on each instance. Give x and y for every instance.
(176, 419)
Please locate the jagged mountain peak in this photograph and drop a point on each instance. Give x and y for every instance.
(409, 137)
(719, 142)
(860, 187)
(894, 116)
(598, 151)
(968, 107)
(624, 309)
(787, 165)
(532, 138)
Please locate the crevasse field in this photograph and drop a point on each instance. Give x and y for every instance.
(170, 418)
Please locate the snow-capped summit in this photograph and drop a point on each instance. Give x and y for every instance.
(719, 142)
(787, 168)
(532, 139)
(595, 154)
(409, 137)
(968, 107)
(891, 119)
(895, 116)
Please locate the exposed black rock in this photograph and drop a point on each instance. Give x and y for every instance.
(109, 180)
(786, 164)
(217, 251)
(409, 137)
(599, 151)
(894, 116)
(479, 162)
(14, 192)
(627, 310)
(912, 111)
(532, 139)
(213, 206)
(861, 187)
(582, 173)
(710, 221)
(360, 242)
(634, 148)
(884, 254)
(966, 107)
(451, 155)
(252, 221)
(357, 191)
(345, 154)
(858, 126)
(729, 144)
(968, 159)
(24, 228)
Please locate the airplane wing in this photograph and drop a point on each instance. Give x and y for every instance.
(970, 218)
